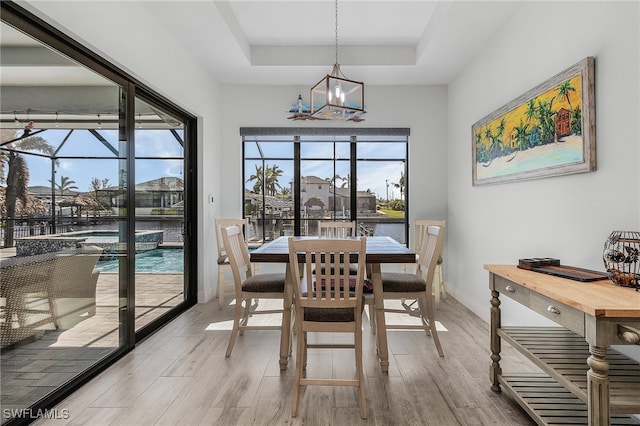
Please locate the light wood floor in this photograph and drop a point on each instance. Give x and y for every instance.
(32, 369)
(179, 376)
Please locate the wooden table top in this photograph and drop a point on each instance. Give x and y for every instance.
(379, 250)
(598, 298)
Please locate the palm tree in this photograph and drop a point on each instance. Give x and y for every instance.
(564, 90)
(481, 149)
(285, 192)
(17, 174)
(576, 121)
(547, 125)
(521, 135)
(271, 179)
(258, 176)
(65, 185)
(530, 113)
(400, 185)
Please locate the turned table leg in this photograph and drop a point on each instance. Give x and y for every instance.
(495, 341)
(598, 386)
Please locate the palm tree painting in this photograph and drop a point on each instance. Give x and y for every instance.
(547, 131)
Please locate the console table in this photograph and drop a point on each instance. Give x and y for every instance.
(584, 380)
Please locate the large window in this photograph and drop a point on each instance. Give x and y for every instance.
(294, 178)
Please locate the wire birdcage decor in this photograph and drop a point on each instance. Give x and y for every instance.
(620, 258)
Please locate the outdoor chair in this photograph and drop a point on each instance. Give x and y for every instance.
(328, 302)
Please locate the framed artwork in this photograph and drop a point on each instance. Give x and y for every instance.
(548, 131)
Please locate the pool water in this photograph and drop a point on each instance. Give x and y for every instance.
(169, 260)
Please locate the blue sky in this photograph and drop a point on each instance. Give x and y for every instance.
(157, 146)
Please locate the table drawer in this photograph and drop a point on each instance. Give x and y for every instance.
(512, 290)
(560, 313)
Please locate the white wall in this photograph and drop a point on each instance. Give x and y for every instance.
(423, 109)
(566, 217)
(128, 35)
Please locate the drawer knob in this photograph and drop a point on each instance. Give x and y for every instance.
(553, 310)
(510, 289)
(629, 334)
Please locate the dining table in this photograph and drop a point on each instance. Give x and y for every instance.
(379, 250)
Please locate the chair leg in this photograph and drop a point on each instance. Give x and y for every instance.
(426, 307)
(236, 325)
(438, 286)
(220, 289)
(300, 350)
(436, 291)
(360, 370)
(246, 311)
(372, 317)
(304, 351)
(443, 289)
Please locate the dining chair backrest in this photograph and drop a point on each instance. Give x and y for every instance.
(325, 284)
(243, 224)
(430, 251)
(336, 229)
(238, 253)
(419, 228)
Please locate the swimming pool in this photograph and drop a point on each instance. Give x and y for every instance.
(167, 260)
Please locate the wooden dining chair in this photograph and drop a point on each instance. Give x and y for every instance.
(223, 259)
(328, 302)
(336, 229)
(418, 285)
(249, 286)
(419, 227)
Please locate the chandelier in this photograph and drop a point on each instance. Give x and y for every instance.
(335, 97)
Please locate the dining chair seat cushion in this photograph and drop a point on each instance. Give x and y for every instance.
(264, 283)
(400, 282)
(223, 260)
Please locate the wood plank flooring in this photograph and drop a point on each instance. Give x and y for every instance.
(180, 376)
(33, 369)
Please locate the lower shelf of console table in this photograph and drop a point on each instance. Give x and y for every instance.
(559, 395)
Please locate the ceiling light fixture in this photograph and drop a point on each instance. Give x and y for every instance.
(335, 97)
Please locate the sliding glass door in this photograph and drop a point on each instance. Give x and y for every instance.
(97, 214)
(159, 212)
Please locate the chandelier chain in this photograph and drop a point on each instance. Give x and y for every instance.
(336, 32)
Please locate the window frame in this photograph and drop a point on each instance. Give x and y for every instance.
(299, 136)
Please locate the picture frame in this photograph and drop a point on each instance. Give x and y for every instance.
(547, 131)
